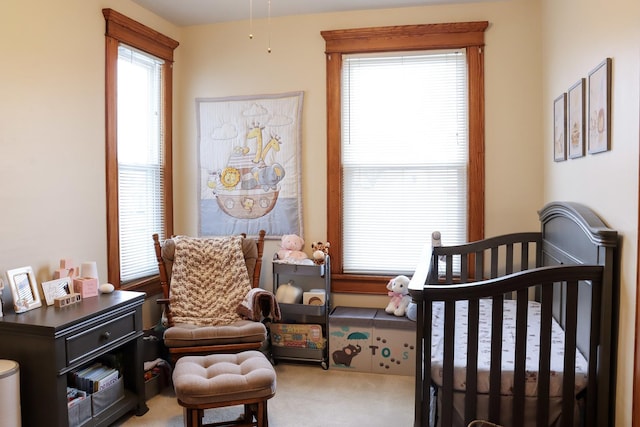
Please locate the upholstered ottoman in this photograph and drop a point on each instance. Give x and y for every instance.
(219, 380)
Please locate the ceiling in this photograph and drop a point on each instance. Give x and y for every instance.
(198, 12)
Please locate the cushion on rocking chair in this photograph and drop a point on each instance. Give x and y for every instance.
(241, 331)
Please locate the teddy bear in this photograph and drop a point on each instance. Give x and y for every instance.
(320, 251)
(398, 288)
(291, 248)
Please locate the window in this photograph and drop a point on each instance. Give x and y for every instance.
(138, 142)
(395, 166)
(404, 169)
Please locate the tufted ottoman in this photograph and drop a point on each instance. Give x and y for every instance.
(218, 380)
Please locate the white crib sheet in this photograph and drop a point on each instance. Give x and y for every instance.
(508, 349)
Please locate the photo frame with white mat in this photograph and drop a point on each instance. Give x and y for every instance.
(24, 289)
(57, 288)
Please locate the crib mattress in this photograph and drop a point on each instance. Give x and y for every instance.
(508, 350)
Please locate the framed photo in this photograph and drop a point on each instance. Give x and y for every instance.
(560, 128)
(24, 289)
(600, 108)
(575, 129)
(57, 288)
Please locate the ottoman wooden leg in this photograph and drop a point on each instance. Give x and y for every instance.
(193, 417)
(261, 414)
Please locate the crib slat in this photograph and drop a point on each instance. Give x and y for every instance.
(479, 265)
(519, 381)
(509, 259)
(464, 268)
(447, 366)
(424, 386)
(497, 311)
(591, 401)
(524, 256)
(546, 313)
(471, 396)
(569, 374)
(494, 262)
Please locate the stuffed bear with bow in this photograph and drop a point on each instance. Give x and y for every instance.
(398, 288)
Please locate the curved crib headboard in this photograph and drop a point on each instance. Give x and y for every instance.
(573, 234)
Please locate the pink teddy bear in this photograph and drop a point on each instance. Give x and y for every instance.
(291, 248)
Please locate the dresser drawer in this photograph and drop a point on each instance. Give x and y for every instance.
(94, 339)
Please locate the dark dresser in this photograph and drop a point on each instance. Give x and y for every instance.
(50, 342)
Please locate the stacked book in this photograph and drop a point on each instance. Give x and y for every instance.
(95, 378)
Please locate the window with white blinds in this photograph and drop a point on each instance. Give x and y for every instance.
(404, 157)
(140, 161)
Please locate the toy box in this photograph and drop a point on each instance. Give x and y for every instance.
(350, 332)
(393, 344)
(370, 340)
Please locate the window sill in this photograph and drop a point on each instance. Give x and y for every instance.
(149, 285)
(359, 284)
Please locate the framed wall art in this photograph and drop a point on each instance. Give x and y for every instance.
(560, 128)
(599, 121)
(249, 161)
(575, 128)
(24, 289)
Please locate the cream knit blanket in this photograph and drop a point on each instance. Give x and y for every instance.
(209, 280)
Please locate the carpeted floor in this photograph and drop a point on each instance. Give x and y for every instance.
(308, 396)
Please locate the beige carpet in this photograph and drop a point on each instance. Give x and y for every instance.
(308, 396)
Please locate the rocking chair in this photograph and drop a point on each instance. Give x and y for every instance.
(204, 281)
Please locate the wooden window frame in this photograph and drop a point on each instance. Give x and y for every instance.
(467, 35)
(121, 29)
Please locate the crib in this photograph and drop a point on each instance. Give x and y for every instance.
(519, 329)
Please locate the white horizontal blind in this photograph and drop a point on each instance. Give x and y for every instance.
(140, 162)
(404, 157)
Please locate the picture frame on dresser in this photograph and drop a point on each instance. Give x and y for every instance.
(57, 288)
(575, 128)
(24, 289)
(599, 123)
(560, 128)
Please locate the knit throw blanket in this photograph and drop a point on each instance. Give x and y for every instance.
(209, 280)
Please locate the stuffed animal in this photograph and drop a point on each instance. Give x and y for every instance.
(399, 292)
(291, 248)
(320, 251)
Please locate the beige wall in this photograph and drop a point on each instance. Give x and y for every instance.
(220, 60)
(52, 144)
(52, 120)
(577, 36)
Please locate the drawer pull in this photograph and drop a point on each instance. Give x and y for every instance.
(106, 335)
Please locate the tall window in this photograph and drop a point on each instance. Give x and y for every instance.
(404, 156)
(140, 159)
(138, 100)
(405, 146)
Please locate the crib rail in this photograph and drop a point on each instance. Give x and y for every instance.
(488, 258)
(519, 283)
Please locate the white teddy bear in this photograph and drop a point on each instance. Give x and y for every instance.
(399, 292)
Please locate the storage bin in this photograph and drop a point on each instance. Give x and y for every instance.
(393, 344)
(297, 335)
(350, 338)
(101, 400)
(79, 410)
(152, 386)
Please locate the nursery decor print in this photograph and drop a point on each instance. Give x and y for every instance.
(249, 160)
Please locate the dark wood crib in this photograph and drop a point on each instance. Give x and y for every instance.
(487, 308)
